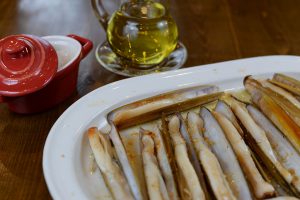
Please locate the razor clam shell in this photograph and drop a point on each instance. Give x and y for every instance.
(209, 161)
(155, 184)
(224, 109)
(282, 92)
(288, 156)
(112, 174)
(152, 108)
(123, 159)
(260, 137)
(276, 114)
(288, 107)
(167, 140)
(287, 82)
(192, 155)
(257, 140)
(163, 160)
(262, 189)
(222, 149)
(131, 139)
(283, 121)
(281, 97)
(182, 159)
(266, 174)
(178, 175)
(267, 169)
(240, 95)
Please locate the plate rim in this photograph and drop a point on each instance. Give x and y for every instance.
(53, 189)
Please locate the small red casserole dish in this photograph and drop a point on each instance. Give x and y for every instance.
(38, 73)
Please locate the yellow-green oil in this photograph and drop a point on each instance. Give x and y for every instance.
(142, 32)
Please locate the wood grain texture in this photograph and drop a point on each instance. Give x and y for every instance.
(212, 30)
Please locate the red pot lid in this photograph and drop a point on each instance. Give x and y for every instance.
(27, 64)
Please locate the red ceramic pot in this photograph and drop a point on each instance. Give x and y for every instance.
(49, 74)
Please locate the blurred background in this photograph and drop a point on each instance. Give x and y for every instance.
(212, 30)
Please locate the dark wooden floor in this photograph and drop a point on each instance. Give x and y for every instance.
(212, 30)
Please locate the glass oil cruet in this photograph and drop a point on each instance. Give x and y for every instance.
(142, 37)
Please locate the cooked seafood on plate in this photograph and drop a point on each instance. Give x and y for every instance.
(202, 143)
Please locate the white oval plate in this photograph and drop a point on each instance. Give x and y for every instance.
(66, 152)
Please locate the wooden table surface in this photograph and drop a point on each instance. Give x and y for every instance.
(212, 30)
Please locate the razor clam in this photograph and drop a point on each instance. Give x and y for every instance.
(126, 167)
(222, 149)
(152, 108)
(292, 110)
(275, 113)
(288, 156)
(240, 95)
(287, 82)
(131, 139)
(261, 188)
(155, 184)
(192, 154)
(285, 100)
(282, 92)
(224, 109)
(113, 176)
(184, 165)
(178, 175)
(167, 141)
(267, 169)
(141, 176)
(163, 162)
(209, 162)
(259, 136)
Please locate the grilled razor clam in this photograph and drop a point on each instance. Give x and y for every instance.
(291, 109)
(151, 108)
(163, 162)
(126, 167)
(209, 162)
(113, 176)
(288, 156)
(183, 162)
(192, 154)
(282, 92)
(261, 188)
(222, 149)
(287, 82)
(276, 114)
(224, 109)
(260, 137)
(178, 175)
(155, 184)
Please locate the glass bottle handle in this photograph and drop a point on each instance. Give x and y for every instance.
(100, 12)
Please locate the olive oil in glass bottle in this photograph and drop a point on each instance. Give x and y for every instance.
(142, 32)
(142, 37)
